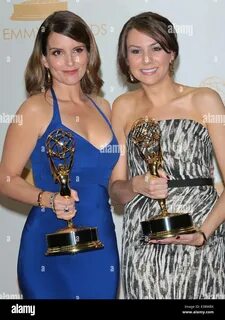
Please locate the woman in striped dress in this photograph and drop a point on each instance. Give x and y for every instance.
(186, 266)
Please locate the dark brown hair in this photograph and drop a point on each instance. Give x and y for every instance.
(71, 25)
(154, 25)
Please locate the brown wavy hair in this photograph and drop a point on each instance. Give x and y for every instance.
(71, 25)
(152, 24)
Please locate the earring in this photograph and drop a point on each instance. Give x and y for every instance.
(171, 68)
(88, 72)
(49, 78)
(131, 77)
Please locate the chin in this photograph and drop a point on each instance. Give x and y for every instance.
(153, 80)
(69, 82)
(150, 81)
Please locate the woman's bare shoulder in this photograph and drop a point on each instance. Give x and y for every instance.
(127, 97)
(206, 99)
(35, 104)
(126, 102)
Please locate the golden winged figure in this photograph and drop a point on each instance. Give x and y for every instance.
(36, 9)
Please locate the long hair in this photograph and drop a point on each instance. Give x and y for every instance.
(152, 24)
(71, 25)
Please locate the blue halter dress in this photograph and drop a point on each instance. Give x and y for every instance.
(87, 275)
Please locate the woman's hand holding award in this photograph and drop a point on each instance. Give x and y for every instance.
(146, 137)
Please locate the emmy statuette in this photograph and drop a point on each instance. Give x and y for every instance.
(146, 135)
(60, 148)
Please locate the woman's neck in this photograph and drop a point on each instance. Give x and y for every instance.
(160, 93)
(69, 93)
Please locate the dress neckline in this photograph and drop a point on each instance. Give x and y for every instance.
(178, 119)
(55, 100)
(183, 119)
(86, 140)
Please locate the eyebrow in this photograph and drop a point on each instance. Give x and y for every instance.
(56, 48)
(136, 46)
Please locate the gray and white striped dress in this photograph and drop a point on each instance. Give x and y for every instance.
(174, 271)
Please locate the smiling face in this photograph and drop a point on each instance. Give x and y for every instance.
(66, 59)
(147, 60)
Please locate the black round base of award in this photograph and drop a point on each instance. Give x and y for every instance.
(73, 240)
(161, 227)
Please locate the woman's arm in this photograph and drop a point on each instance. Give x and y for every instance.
(214, 106)
(208, 102)
(19, 143)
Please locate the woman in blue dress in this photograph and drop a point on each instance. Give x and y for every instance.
(62, 82)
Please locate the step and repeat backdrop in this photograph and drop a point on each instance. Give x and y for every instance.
(200, 26)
